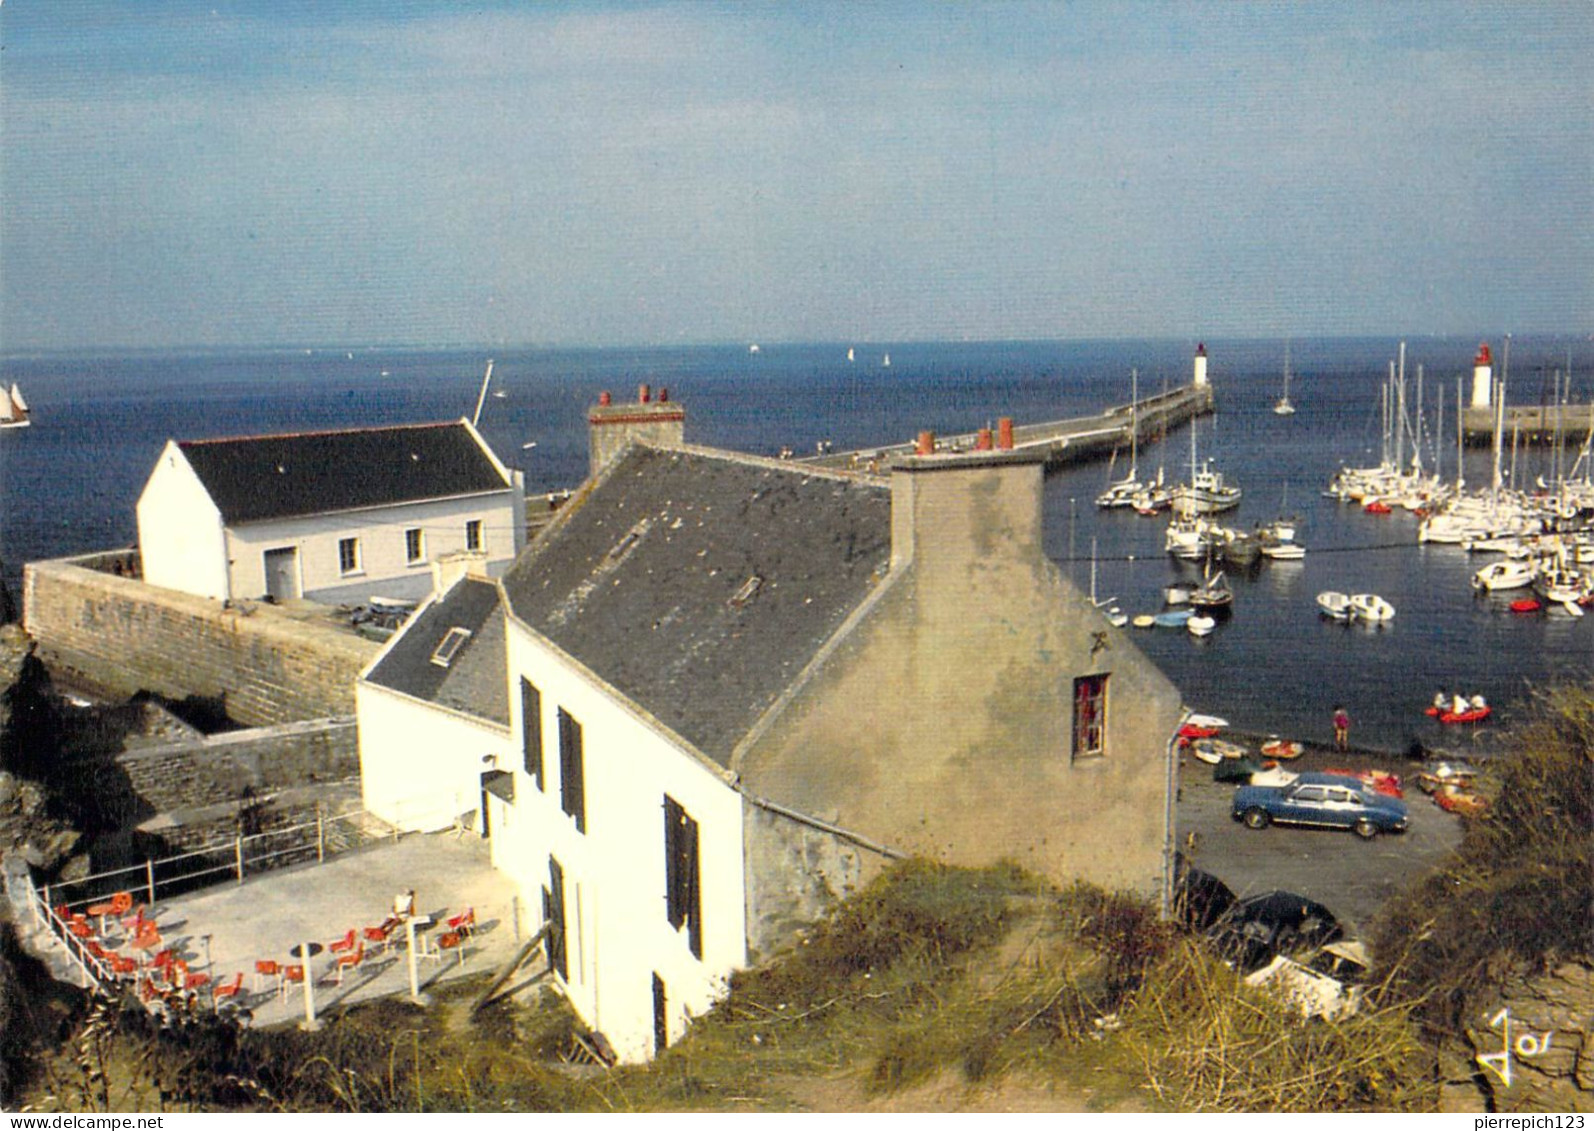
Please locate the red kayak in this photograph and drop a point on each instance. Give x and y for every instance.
(1471, 715)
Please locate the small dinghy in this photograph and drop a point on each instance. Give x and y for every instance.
(1282, 749)
(1144, 620)
(1335, 606)
(1214, 750)
(1284, 552)
(1200, 625)
(1525, 605)
(1174, 618)
(1370, 607)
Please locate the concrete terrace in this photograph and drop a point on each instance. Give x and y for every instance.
(234, 925)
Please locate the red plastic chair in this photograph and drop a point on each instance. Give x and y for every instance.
(464, 923)
(119, 904)
(378, 937)
(268, 968)
(345, 943)
(292, 977)
(123, 967)
(226, 991)
(452, 940)
(348, 962)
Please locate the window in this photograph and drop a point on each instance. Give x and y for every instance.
(683, 899)
(531, 728)
(414, 545)
(349, 555)
(449, 648)
(1090, 716)
(572, 775)
(473, 534)
(553, 915)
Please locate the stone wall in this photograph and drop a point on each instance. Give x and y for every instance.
(121, 636)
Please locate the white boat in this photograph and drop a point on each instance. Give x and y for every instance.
(1206, 493)
(13, 409)
(849, 353)
(1284, 407)
(1176, 594)
(1284, 552)
(1206, 722)
(1334, 604)
(1200, 625)
(1370, 607)
(753, 348)
(1505, 575)
(1123, 492)
(886, 362)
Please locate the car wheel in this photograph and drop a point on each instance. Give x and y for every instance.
(1366, 829)
(1256, 818)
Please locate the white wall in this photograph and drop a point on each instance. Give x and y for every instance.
(420, 764)
(615, 905)
(180, 538)
(382, 542)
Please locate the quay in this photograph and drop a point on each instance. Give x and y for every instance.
(1069, 441)
(1529, 424)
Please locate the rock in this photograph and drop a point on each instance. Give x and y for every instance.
(1551, 1039)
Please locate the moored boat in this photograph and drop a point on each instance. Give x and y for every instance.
(1370, 607)
(13, 409)
(1505, 575)
(1333, 604)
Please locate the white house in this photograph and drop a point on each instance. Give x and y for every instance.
(739, 687)
(434, 709)
(332, 516)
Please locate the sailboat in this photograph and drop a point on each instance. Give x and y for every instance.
(849, 353)
(13, 409)
(886, 364)
(1123, 492)
(1284, 407)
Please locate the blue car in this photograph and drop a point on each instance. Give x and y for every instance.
(1329, 801)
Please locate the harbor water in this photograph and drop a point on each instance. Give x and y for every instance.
(70, 482)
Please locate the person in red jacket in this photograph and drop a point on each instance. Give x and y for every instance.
(1341, 729)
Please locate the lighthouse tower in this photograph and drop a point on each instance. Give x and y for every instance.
(1482, 377)
(1200, 379)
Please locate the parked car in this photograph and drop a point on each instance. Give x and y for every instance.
(1255, 929)
(1323, 801)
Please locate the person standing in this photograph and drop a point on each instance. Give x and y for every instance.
(1341, 729)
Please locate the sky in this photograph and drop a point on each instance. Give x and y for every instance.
(289, 172)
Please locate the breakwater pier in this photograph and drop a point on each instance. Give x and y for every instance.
(1074, 440)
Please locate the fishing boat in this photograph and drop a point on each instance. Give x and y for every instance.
(1370, 607)
(1333, 604)
(13, 409)
(1284, 407)
(1207, 492)
(1213, 595)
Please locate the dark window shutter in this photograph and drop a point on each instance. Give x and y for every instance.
(572, 772)
(531, 728)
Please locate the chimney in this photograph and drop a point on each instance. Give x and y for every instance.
(964, 512)
(447, 569)
(612, 427)
(1004, 433)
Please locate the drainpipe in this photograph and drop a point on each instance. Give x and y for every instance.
(1170, 818)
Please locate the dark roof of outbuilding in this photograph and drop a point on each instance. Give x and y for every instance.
(474, 681)
(253, 478)
(699, 584)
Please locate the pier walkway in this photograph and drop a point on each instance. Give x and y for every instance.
(1064, 441)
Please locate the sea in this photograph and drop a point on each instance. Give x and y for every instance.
(70, 482)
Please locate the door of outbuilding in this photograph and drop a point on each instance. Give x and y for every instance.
(282, 573)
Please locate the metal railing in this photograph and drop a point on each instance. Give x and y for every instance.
(224, 861)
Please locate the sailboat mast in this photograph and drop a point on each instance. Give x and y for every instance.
(1134, 424)
(482, 397)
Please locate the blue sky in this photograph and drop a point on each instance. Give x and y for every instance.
(370, 173)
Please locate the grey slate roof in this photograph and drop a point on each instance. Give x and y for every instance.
(252, 478)
(475, 681)
(650, 581)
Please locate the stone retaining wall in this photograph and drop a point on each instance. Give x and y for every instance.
(116, 634)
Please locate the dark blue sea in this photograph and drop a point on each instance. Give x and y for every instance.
(69, 483)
